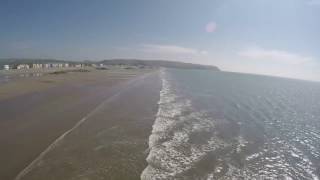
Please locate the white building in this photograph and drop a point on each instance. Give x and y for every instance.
(46, 65)
(23, 66)
(54, 65)
(36, 66)
(78, 65)
(6, 67)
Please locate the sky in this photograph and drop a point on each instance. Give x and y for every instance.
(272, 37)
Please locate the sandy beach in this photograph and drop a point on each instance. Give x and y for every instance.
(116, 109)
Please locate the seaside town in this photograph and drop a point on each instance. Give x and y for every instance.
(43, 66)
(99, 66)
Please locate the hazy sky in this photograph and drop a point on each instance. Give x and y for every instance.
(275, 37)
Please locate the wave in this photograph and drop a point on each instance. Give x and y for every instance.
(181, 137)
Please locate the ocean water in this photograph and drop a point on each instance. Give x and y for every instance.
(219, 125)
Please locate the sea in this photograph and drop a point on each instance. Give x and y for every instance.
(222, 125)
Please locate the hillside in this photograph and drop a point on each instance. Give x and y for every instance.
(157, 63)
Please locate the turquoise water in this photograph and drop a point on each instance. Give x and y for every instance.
(219, 125)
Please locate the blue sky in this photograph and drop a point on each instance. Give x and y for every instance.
(270, 37)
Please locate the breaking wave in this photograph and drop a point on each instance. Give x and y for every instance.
(176, 143)
(260, 139)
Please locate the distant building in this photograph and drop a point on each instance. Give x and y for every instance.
(36, 66)
(6, 67)
(46, 65)
(23, 66)
(78, 65)
(54, 65)
(66, 65)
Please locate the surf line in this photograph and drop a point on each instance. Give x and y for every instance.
(130, 84)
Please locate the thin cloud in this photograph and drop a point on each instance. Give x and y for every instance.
(204, 52)
(279, 56)
(171, 49)
(313, 2)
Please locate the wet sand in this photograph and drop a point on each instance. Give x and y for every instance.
(36, 111)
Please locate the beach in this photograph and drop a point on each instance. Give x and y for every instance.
(78, 125)
(128, 124)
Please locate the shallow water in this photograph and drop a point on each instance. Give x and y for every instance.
(218, 125)
(4, 79)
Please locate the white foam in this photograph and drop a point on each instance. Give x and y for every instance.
(171, 153)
